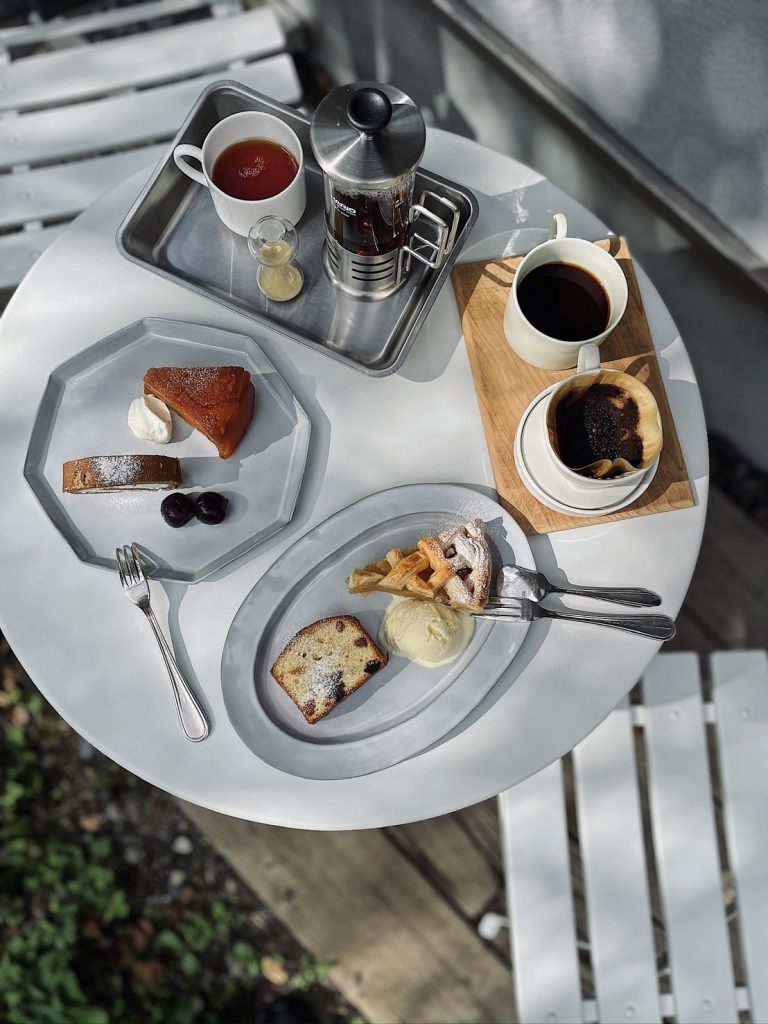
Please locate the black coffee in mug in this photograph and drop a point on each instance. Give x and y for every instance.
(564, 302)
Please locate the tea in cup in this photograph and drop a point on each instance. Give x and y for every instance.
(566, 293)
(253, 166)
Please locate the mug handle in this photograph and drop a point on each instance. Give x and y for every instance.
(557, 229)
(589, 358)
(179, 154)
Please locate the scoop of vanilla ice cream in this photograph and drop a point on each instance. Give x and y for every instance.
(150, 419)
(429, 634)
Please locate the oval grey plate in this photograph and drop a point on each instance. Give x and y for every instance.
(84, 411)
(405, 707)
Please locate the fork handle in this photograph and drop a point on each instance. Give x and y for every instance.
(632, 597)
(656, 627)
(191, 717)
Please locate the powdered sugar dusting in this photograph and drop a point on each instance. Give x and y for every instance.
(116, 470)
(321, 676)
(197, 381)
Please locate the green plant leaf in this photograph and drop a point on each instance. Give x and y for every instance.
(190, 964)
(93, 1015)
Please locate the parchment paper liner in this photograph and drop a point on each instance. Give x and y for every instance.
(648, 424)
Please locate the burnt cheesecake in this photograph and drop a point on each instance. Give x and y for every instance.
(216, 400)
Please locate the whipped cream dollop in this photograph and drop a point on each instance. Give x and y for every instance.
(150, 419)
(427, 633)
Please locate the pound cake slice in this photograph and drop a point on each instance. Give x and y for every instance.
(325, 662)
(104, 473)
(216, 400)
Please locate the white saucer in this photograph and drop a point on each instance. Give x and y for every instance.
(553, 490)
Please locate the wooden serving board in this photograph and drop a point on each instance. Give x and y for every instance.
(506, 385)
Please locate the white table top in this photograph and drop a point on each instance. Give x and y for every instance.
(89, 650)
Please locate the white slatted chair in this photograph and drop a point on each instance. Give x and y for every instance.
(80, 117)
(691, 976)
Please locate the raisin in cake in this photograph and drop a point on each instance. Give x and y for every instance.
(325, 662)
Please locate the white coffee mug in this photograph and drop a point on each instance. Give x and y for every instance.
(531, 344)
(588, 366)
(241, 214)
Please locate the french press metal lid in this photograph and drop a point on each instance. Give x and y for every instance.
(368, 135)
(368, 138)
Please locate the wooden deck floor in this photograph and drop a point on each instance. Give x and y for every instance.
(395, 910)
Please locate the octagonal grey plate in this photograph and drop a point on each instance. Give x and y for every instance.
(84, 411)
(405, 707)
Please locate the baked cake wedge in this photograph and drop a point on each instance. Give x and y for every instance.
(104, 473)
(326, 662)
(216, 400)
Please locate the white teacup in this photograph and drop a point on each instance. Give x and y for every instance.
(531, 344)
(241, 214)
(588, 368)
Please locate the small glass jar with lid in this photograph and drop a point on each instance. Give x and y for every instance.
(273, 242)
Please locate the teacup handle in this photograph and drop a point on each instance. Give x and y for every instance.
(589, 358)
(179, 154)
(559, 227)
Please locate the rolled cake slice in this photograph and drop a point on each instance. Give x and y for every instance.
(216, 400)
(103, 473)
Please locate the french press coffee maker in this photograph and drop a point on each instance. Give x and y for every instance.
(368, 139)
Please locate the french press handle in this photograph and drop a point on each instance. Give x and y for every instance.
(431, 251)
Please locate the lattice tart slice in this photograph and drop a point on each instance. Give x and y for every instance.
(452, 568)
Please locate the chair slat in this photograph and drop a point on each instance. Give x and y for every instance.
(101, 125)
(542, 931)
(53, 193)
(740, 694)
(20, 250)
(686, 843)
(616, 882)
(60, 28)
(149, 58)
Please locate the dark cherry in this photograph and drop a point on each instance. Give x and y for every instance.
(177, 509)
(210, 507)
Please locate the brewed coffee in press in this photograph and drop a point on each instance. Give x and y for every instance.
(368, 139)
(366, 223)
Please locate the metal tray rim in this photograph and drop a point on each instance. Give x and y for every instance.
(400, 353)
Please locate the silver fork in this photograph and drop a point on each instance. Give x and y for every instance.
(656, 627)
(136, 588)
(514, 581)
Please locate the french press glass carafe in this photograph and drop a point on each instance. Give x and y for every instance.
(369, 138)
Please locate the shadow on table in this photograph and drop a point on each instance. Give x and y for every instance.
(176, 593)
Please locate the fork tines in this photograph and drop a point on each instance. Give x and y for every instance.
(129, 565)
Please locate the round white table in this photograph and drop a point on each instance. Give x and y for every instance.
(90, 652)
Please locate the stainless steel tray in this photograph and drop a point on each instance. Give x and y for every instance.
(172, 229)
